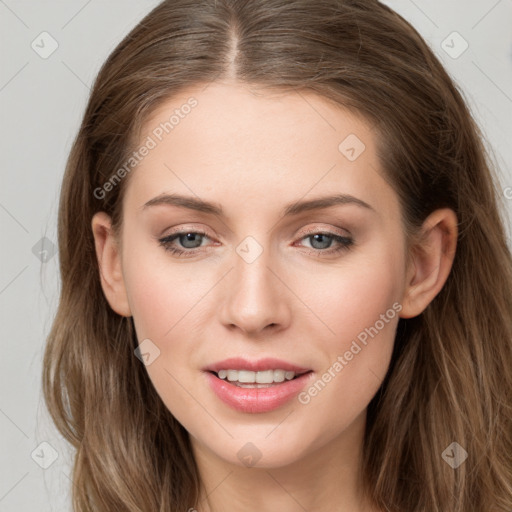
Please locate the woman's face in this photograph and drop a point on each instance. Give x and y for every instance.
(295, 260)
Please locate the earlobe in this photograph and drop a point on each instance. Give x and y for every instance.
(431, 261)
(109, 263)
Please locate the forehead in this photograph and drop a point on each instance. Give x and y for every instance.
(237, 144)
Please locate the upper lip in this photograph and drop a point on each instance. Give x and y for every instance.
(268, 363)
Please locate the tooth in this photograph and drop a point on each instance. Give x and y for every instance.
(247, 377)
(265, 377)
(261, 377)
(278, 375)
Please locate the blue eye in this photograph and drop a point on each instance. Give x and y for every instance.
(190, 242)
(325, 241)
(185, 238)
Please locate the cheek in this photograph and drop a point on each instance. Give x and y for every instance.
(167, 303)
(354, 295)
(360, 311)
(161, 295)
(164, 301)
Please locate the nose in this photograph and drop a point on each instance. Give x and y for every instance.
(254, 298)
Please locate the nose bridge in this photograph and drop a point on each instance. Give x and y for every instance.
(254, 296)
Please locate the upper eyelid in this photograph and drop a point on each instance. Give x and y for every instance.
(327, 230)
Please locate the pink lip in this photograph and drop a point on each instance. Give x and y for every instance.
(256, 400)
(269, 363)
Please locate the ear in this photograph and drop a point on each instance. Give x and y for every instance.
(430, 262)
(109, 262)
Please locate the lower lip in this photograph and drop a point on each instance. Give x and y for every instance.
(255, 400)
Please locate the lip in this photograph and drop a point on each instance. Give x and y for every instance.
(256, 400)
(268, 363)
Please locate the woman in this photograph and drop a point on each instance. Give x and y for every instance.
(285, 279)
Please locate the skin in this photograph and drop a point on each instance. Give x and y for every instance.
(253, 153)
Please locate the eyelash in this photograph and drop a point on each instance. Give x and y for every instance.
(345, 243)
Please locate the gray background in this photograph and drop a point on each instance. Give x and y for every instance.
(41, 104)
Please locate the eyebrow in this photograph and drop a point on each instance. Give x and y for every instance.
(294, 208)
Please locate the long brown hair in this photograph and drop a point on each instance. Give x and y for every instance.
(450, 377)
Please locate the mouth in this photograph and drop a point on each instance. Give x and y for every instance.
(258, 386)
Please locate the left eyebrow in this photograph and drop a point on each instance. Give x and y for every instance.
(324, 202)
(294, 208)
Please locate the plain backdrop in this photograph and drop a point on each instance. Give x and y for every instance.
(42, 99)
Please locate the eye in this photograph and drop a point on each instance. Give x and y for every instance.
(189, 241)
(321, 243)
